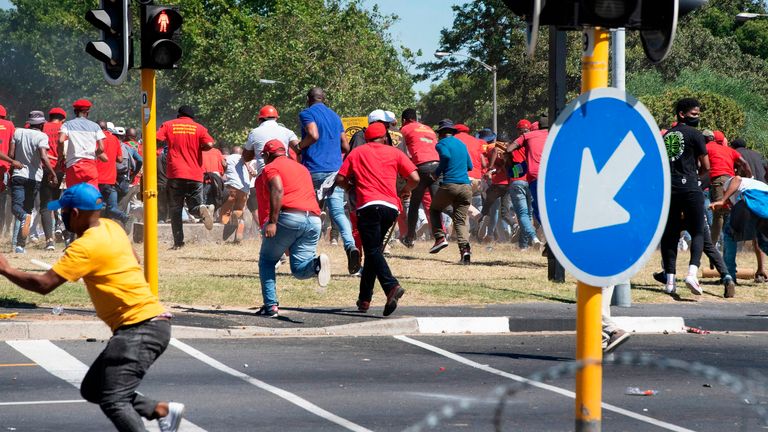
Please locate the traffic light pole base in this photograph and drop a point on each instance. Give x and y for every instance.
(588, 425)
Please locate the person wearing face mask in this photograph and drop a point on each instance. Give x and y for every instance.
(687, 152)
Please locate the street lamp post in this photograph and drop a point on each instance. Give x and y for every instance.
(489, 68)
(746, 16)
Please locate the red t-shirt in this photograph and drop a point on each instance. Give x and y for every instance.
(373, 169)
(475, 149)
(108, 170)
(518, 157)
(420, 140)
(500, 176)
(185, 139)
(298, 191)
(6, 135)
(533, 142)
(52, 129)
(721, 159)
(213, 161)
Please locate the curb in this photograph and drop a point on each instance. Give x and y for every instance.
(76, 330)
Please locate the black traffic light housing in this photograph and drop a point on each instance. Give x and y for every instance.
(655, 19)
(160, 37)
(114, 49)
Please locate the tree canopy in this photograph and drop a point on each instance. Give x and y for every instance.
(229, 45)
(714, 57)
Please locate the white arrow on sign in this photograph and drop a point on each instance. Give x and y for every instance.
(596, 206)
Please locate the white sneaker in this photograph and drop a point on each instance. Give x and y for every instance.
(670, 288)
(172, 421)
(693, 285)
(682, 245)
(283, 259)
(206, 213)
(324, 272)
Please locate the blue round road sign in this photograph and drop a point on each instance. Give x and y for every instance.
(603, 187)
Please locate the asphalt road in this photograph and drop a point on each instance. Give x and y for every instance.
(387, 384)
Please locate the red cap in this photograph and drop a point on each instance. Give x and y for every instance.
(462, 128)
(268, 111)
(374, 131)
(57, 110)
(719, 137)
(3, 112)
(274, 147)
(82, 104)
(524, 124)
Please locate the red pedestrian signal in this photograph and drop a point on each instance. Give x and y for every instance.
(160, 37)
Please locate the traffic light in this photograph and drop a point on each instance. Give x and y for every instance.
(656, 20)
(160, 34)
(114, 48)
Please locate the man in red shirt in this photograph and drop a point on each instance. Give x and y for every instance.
(108, 173)
(213, 165)
(6, 135)
(373, 169)
(499, 188)
(293, 225)
(723, 162)
(533, 143)
(81, 143)
(420, 141)
(49, 190)
(186, 141)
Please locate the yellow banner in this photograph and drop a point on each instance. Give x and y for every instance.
(353, 124)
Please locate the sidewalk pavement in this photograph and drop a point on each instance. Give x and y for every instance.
(208, 322)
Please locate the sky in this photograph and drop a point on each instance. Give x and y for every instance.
(418, 27)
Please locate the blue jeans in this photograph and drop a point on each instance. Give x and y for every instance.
(23, 193)
(521, 198)
(111, 210)
(298, 233)
(533, 187)
(335, 205)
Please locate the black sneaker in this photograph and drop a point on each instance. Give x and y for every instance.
(466, 256)
(407, 242)
(353, 260)
(730, 287)
(268, 311)
(177, 246)
(660, 277)
(392, 297)
(440, 244)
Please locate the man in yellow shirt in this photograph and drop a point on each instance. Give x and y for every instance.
(103, 257)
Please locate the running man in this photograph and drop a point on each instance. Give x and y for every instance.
(103, 257)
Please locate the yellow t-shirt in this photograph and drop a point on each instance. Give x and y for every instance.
(103, 258)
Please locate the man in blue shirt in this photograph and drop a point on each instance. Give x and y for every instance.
(454, 190)
(322, 143)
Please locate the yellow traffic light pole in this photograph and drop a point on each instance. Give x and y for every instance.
(589, 351)
(149, 130)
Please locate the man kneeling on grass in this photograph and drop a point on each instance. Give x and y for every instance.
(103, 257)
(293, 224)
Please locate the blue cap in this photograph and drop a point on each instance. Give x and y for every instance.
(81, 196)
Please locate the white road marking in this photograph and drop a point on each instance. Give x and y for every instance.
(537, 384)
(48, 402)
(290, 397)
(65, 366)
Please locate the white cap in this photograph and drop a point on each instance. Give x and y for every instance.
(111, 127)
(119, 130)
(390, 116)
(378, 115)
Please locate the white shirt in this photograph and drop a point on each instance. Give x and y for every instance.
(236, 173)
(267, 131)
(82, 135)
(746, 184)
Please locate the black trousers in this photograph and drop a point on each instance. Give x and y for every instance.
(373, 223)
(49, 193)
(686, 211)
(112, 380)
(180, 191)
(426, 184)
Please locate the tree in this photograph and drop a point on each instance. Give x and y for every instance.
(228, 46)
